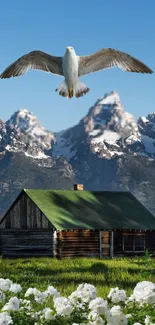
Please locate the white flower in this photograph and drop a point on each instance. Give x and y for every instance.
(116, 316)
(39, 296)
(63, 306)
(99, 305)
(95, 318)
(31, 291)
(91, 308)
(15, 288)
(51, 291)
(128, 316)
(148, 320)
(92, 315)
(5, 319)
(25, 301)
(116, 295)
(85, 292)
(116, 310)
(12, 304)
(144, 292)
(48, 313)
(97, 321)
(35, 315)
(5, 284)
(26, 304)
(2, 296)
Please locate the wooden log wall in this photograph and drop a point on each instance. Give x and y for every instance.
(149, 243)
(16, 243)
(25, 215)
(78, 243)
(118, 243)
(25, 231)
(105, 243)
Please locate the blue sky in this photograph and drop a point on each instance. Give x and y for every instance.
(88, 26)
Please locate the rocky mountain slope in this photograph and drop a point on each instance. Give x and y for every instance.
(26, 160)
(107, 150)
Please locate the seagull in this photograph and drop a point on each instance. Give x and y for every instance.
(72, 66)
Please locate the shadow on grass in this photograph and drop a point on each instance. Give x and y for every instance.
(97, 274)
(95, 268)
(98, 267)
(66, 282)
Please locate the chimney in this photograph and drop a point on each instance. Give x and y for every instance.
(78, 187)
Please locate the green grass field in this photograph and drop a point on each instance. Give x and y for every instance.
(66, 274)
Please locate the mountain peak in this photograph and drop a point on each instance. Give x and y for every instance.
(108, 130)
(108, 114)
(24, 111)
(110, 99)
(23, 133)
(107, 150)
(24, 121)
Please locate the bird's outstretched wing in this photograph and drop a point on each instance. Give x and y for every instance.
(36, 60)
(109, 58)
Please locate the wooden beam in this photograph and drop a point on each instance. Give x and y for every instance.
(59, 241)
(55, 244)
(100, 232)
(111, 243)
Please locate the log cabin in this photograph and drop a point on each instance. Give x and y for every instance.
(76, 223)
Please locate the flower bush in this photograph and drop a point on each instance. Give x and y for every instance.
(82, 307)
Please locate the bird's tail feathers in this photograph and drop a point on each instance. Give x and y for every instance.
(80, 89)
(63, 89)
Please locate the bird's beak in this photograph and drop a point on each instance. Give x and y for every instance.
(68, 48)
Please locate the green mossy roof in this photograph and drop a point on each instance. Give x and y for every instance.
(68, 209)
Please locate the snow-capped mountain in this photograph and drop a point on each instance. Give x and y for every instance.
(107, 150)
(110, 150)
(26, 160)
(109, 131)
(23, 133)
(147, 130)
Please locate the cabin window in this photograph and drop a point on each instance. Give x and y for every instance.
(133, 243)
